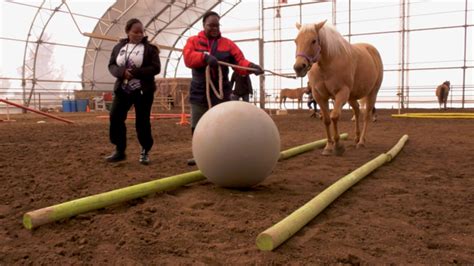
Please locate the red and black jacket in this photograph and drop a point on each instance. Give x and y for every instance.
(224, 50)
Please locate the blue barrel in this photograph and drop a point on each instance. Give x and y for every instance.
(69, 106)
(82, 105)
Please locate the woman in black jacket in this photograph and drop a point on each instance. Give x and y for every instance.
(243, 87)
(134, 62)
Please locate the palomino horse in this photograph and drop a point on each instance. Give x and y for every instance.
(442, 92)
(292, 94)
(341, 71)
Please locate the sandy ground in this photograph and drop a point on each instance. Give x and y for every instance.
(417, 209)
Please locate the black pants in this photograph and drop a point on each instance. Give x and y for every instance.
(313, 103)
(118, 114)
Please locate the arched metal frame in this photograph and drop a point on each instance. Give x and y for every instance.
(166, 23)
(37, 44)
(170, 21)
(114, 14)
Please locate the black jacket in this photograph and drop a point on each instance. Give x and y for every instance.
(243, 84)
(151, 66)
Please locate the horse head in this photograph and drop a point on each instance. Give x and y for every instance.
(308, 47)
(447, 83)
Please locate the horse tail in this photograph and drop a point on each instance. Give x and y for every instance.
(444, 93)
(281, 96)
(377, 59)
(439, 93)
(379, 64)
(447, 91)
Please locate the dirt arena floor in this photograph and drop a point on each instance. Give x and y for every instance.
(418, 209)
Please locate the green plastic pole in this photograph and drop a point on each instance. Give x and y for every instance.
(280, 232)
(306, 147)
(434, 116)
(60, 211)
(67, 209)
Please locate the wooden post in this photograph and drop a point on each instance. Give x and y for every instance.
(8, 114)
(184, 120)
(8, 111)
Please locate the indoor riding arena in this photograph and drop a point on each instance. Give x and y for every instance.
(356, 145)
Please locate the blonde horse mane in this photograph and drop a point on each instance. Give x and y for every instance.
(331, 40)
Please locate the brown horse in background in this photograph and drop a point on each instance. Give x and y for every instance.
(442, 92)
(341, 71)
(293, 94)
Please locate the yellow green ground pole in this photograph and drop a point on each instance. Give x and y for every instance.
(436, 115)
(283, 230)
(68, 209)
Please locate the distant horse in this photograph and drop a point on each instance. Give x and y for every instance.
(292, 94)
(341, 71)
(442, 92)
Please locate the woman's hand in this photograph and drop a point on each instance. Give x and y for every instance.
(127, 75)
(258, 69)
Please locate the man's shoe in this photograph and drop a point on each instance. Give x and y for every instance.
(117, 156)
(191, 162)
(144, 158)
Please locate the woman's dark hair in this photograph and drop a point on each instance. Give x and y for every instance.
(208, 14)
(130, 23)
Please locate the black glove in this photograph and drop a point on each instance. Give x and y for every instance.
(259, 70)
(211, 60)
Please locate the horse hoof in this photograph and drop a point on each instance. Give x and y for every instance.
(360, 145)
(356, 140)
(339, 150)
(327, 152)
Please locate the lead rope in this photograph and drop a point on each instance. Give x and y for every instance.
(220, 94)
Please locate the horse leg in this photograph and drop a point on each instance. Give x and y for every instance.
(324, 106)
(356, 110)
(374, 115)
(341, 97)
(369, 106)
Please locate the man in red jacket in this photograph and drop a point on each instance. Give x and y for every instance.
(206, 49)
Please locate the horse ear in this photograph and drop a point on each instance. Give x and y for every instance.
(298, 25)
(320, 25)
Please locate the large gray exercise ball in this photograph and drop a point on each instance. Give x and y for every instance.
(236, 144)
